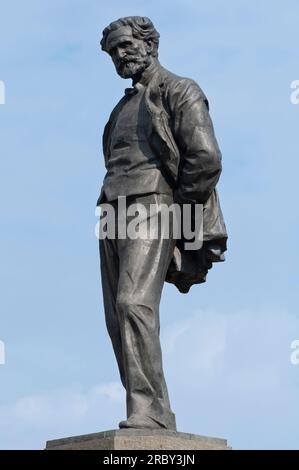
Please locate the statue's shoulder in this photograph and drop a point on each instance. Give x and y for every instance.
(180, 88)
(171, 78)
(174, 84)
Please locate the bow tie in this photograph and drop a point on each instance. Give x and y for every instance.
(132, 91)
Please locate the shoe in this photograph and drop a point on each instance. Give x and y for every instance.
(140, 422)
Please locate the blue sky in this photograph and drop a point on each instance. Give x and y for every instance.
(227, 344)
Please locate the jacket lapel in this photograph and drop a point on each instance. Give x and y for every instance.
(162, 140)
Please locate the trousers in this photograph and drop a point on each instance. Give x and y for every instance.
(133, 272)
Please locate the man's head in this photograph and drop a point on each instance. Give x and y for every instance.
(132, 43)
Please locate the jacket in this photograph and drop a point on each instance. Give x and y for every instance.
(182, 135)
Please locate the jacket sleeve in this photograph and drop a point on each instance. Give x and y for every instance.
(200, 157)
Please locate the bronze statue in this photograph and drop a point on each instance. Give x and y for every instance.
(159, 148)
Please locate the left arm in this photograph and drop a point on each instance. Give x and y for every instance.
(200, 164)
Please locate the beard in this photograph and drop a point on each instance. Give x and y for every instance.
(130, 68)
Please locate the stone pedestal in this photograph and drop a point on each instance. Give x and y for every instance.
(135, 439)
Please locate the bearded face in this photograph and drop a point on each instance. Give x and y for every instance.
(132, 65)
(130, 55)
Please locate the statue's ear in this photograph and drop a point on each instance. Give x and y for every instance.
(149, 46)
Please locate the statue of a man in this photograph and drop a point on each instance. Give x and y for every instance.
(159, 148)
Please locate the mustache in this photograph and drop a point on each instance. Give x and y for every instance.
(127, 60)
